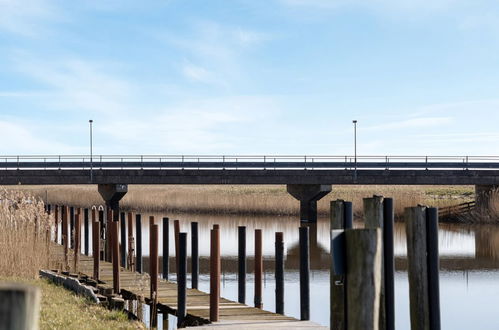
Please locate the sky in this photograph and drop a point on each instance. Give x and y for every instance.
(249, 77)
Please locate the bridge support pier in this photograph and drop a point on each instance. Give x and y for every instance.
(308, 195)
(483, 196)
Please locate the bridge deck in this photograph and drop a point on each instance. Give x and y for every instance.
(232, 314)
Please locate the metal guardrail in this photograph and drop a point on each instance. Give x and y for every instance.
(269, 162)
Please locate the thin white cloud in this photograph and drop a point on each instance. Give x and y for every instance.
(412, 123)
(27, 17)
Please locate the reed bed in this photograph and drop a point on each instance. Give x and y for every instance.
(25, 231)
(247, 200)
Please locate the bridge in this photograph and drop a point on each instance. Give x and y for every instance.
(308, 178)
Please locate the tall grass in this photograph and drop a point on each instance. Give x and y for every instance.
(248, 200)
(25, 231)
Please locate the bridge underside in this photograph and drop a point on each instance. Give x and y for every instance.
(363, 177)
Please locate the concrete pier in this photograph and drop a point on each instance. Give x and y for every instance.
(112, 194)
(308, 195)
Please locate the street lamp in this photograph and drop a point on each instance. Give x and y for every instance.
(355, 144)
(91, 152)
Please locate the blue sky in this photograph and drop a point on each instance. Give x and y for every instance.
(250, 77)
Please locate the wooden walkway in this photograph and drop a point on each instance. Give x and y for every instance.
(232, 314)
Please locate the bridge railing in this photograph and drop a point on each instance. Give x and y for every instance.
(312, 162)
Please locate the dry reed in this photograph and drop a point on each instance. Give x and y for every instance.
(25, 231)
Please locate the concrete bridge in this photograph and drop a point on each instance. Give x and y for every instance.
(308, 178)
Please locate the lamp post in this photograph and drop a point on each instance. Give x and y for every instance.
(355, 145)
(91, 153)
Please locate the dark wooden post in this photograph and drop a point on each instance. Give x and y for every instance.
(182, 281)
(176, 229)
(279, 273)
(363, 256)
(166, 247)
(389, 262)
(433, 267)
(194, 255)
(214, 274)
(304, 274)
(77, 246)
(65, 238)
(241, 265)
(123, 239)
(109, 237)
(138, 247)
(71, 227)
(338, 217)
(96, 244)
(56, 222)
(116, 257)
(151, 223)
(417, 267)
(258, 268)
(85, 232)
(19, 306)
(131, 243)
(153, 270)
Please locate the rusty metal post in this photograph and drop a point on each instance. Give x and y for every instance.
(109, 220)
(123, 239)
(96, 244)
(71, 227)
(138, 246)
(85, 231)
(116, 257)
(65, 211)
(56, 223)
(214, 274)
(153, 269)
(131, 251)
(166, 247)
(77, 246)
(151, 223)
(258, 268)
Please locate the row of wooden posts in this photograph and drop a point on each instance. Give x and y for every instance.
(119, 257)
(362, 293)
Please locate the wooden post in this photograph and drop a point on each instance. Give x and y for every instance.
(337, 284)
(131, 243)
(373, 218)
(85, 231)
(363, 252)
(96, 244)
(109, 220)
(194, 255)
(279, 273)
(65, 238)
(389, 262)
(138, 246)
(153, 270)
(77, 246)
(19, 306)
(56, 223)
(433, 267)
(123, 238)
(116, 257)
(241, 265)
(176, 231)
(415, 223)
(182, 281)
(304, 274)
(258, 268)
(71, 227)
(214, 274)
(151, 223)
(166, 247)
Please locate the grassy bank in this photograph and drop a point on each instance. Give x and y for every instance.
(249, 200)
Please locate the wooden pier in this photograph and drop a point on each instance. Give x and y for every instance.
(134, 286)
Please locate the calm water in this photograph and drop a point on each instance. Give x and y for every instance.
(469, 262)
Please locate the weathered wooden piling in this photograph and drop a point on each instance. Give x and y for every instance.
(85, 231)
(19, 306)
(214, 274)
(241, 285)
(116, 257)
(389, 262)
(182, 281)
(108, 245)
(304, 274)
(138, 246)
(176, 231)
(279, 273)
(373, 218)
(433, 267)
(194, 255)
(258, 268)
(166, 247)
(363, 255)
(153, 270)
(151, 223)
(77, 246)
(131, 243)
(417, 267)
(96, 245)
(71, 227)
(123, 239)
(65, 238)
(56, 223)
